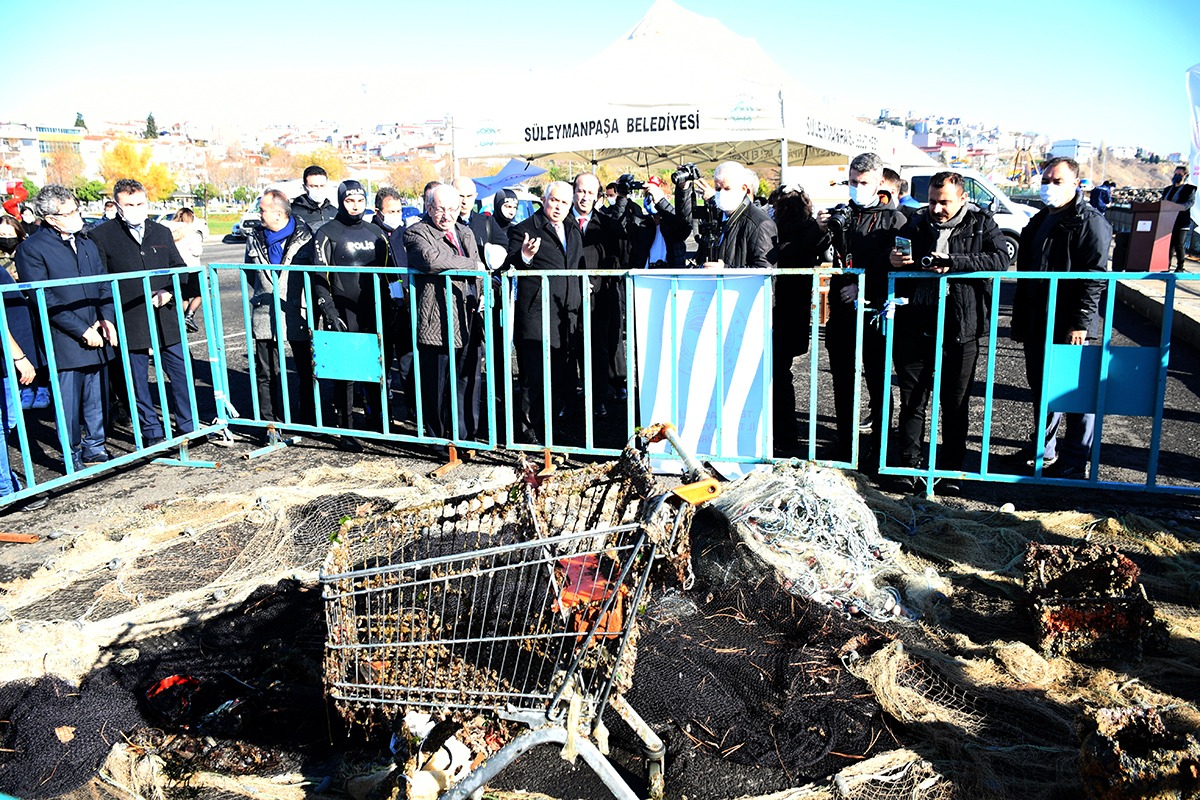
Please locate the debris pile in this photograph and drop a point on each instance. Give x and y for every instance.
(1087, 603)
(1131, 753)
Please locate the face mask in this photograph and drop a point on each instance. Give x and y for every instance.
(864, 196)
(728, 200)
(8, 243)
(1177, 179)
(110, 213)
(317, 195)
(393, 221)
(134, 216)
(27, 217)
(1057, 195)
(71, 224)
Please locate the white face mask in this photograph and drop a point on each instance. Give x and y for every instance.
(134, 216)
(318, 195)
(71, 224)
(860, 195)
(393, 221)
(1056, 195)
(728, 200)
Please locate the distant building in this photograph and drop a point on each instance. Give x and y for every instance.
(1072, 148)
(1123, 151)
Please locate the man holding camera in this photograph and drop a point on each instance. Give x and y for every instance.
(744, 234)
(862, 234)
(950, 235)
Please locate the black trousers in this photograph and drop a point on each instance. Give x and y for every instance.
(913, 357)
(531, 411)
(436, 385)
(839, 343)
(1176, 258)
(300, 386)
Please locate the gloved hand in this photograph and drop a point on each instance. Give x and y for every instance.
(332, 321)
(849, 294)
(396, 290)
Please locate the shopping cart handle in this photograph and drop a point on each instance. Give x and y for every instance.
(665, 430)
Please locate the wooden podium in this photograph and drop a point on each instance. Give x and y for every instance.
(1150, 236)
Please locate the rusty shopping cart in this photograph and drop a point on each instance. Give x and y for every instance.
(516, 605)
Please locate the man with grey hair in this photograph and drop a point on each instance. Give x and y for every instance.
(440, 242)
(862, 234)
(748, 237)
(82, 333)
(284, 239)
(544, 242)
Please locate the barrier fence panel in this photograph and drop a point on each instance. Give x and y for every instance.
(693, 344)
(1119, 384)
(47, 455)
(342, 351)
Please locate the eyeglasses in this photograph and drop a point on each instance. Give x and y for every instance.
(70, 213)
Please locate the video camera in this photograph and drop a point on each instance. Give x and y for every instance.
(686, 172)
(627, 183)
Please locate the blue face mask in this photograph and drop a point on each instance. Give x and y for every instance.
(1177, 179)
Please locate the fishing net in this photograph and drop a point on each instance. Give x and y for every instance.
(756, 688)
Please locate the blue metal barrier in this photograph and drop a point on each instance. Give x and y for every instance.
(1096, 379)
(35, 296)
(347, 356)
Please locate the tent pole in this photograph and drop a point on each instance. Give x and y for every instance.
(783, 158)
(453, 154)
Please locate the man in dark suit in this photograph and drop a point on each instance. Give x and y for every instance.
(436, 244)
(134, 243)
(543, 242)
(82, 333)
(600, 251)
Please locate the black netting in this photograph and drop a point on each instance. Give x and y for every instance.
(251, 694)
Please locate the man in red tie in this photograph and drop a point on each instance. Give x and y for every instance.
(439, 243)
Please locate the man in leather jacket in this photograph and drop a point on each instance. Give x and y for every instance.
(950, 235)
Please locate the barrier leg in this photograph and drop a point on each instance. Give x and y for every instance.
(453, 462)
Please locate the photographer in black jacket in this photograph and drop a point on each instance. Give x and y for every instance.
(949, 235)
(862, 234)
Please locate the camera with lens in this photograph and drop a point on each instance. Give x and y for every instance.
(627, 183)
(686, 172)
(839, 217)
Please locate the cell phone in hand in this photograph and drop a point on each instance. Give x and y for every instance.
(904, 246)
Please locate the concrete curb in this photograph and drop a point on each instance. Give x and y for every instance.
(1147, 299)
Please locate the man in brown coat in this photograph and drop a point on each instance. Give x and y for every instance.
(437, 244)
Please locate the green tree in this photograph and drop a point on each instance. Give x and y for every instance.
(203, 192)
(30, 187)
(90, 191)
(244, 194)
(79, 123)
(151, 127)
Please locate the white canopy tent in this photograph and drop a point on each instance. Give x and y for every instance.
(647, 101)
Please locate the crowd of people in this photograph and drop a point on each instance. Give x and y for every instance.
(332, 266)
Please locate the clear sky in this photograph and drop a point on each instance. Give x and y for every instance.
(1099, 70)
